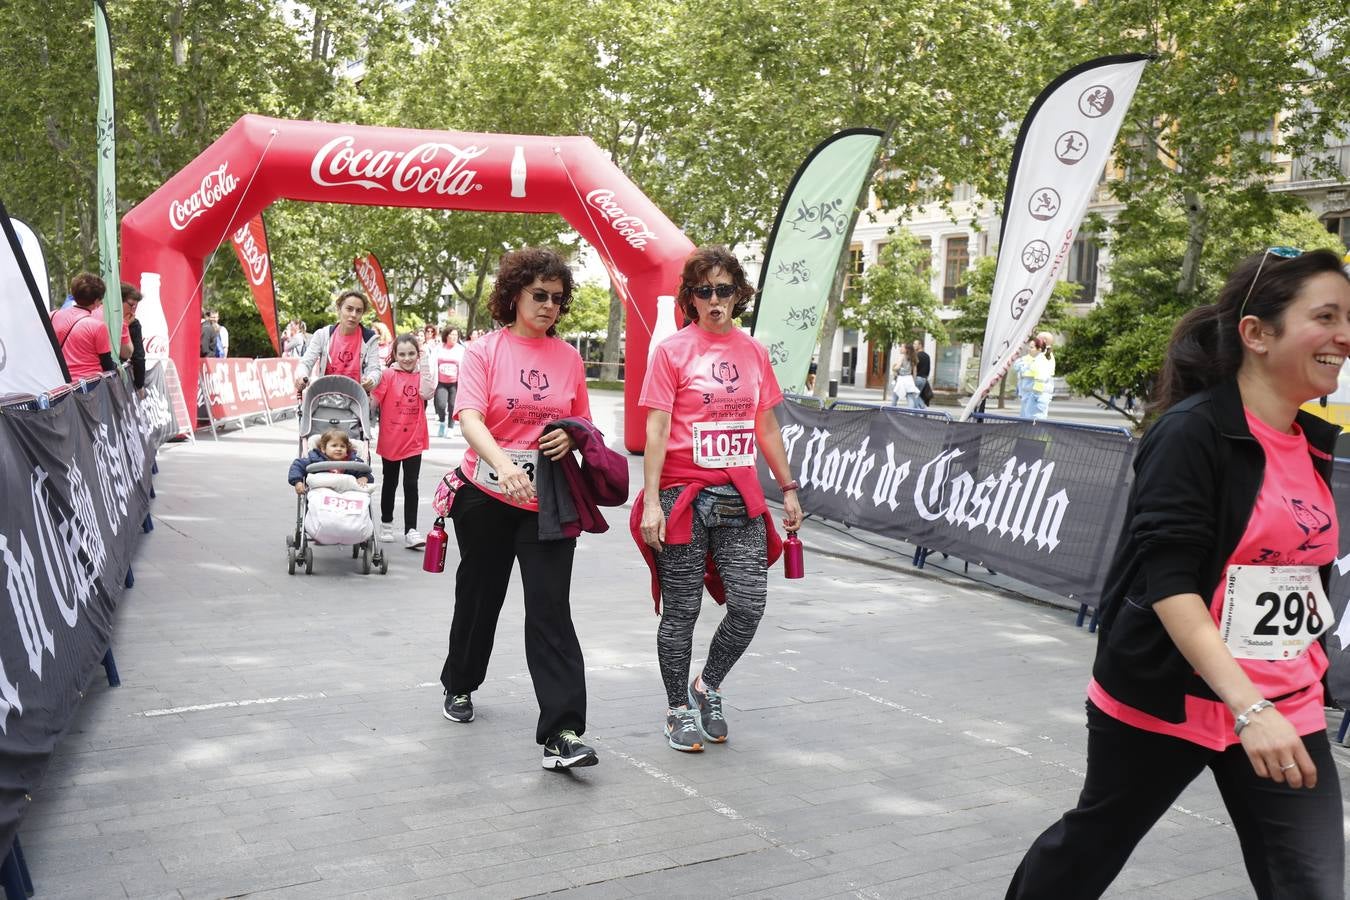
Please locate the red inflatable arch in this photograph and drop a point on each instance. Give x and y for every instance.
(260, 160)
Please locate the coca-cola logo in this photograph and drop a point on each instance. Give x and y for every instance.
(429, 168)
(633, 229)
(252, 256)
(365, 273)
(215, 186)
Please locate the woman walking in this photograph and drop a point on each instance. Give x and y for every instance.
(710, 394)
(1208, 652)
(347, 348)
(511, 383)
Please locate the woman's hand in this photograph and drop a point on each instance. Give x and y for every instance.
(1272, 745)
(300, 383)
(515, 483)
(792, 511)
(368, 383)
(653, 525)
(556, 444)
(300, 487)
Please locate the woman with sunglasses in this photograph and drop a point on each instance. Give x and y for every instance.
(709, 394)
(512, 381)
(1209, 650)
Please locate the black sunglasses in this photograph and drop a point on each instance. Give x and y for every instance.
(705, 291)
(544, 297)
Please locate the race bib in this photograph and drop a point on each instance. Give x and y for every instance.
(1273, 612)
(724, 445)
(449, 370)
(486, 477)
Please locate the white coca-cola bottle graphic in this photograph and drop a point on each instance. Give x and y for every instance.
(518, 172)
(154, 325)
(665, 324)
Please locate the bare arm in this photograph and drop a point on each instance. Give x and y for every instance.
(512, 478)
(771, 445)
(653, 525)
(1270, 741)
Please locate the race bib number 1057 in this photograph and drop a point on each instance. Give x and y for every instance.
(724, 445)
(1273, 612)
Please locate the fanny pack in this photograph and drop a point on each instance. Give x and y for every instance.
(721, 506)
(446, 489)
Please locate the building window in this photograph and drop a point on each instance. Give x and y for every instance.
(958, 259)
(1340, 226)
(854, 273)
(1083, 268)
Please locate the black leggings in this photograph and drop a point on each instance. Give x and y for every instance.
(445, 400)
(1292, 838)
(411, 466)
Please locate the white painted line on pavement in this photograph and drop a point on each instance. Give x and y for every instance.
(228, 704)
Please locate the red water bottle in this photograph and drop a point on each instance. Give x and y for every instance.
(433, 559)
(792, 556)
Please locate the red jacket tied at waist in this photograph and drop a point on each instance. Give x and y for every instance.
(680, 525)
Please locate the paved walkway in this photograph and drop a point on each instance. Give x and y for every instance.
(895, 734)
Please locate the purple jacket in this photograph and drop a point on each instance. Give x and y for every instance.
(571, 493)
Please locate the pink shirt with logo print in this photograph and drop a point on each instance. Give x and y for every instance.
(1292, 524)
(708, 382)
(519, 385)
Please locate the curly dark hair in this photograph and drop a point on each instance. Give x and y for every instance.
(696, 268)
(87, 289)
(518, 270)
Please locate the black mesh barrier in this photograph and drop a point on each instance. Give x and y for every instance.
(1037, 501)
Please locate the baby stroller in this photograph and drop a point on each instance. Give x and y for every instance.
(326, 514)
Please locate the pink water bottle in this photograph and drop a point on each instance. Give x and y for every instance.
(433, 559)
(792, 556)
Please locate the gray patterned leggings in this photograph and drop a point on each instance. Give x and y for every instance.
(739, 554)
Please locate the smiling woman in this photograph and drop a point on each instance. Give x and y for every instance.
(1209, 651)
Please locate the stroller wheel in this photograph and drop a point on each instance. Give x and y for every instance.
(384, 564)
(290, 541)
(309, 560)
(290, 560)
(365, 560)
(356, 550)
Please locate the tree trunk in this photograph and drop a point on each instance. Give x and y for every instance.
(830, 325)
(609, 363)
(1197, 221)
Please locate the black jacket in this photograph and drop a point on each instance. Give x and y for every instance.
(1197, 475)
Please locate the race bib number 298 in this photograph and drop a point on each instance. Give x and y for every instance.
(1273, 612)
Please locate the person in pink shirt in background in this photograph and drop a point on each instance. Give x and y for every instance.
(449, 354)
(401, 396)
(709, 394)
(1214, 610)
(512, 382)
(81, 332)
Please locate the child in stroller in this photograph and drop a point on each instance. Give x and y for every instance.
(332, 476)
(334, 445)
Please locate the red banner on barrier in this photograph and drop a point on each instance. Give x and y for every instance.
(232, 389)
(278, 382)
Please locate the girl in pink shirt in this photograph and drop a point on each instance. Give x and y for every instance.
(512, 383)
(401, 396)
(709, 394)
(1209, 649)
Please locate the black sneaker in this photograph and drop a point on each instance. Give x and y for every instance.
(711, 722)
(458, 708)
(565, 750)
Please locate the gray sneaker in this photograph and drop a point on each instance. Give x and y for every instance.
(457, 707)
(711, 723)
(682, 730)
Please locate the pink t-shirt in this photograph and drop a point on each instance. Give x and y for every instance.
(519, 385)
(1292, 524)
(448, 361)
(403, 420)
(82, 335)
(714, 386)
(344, 354)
